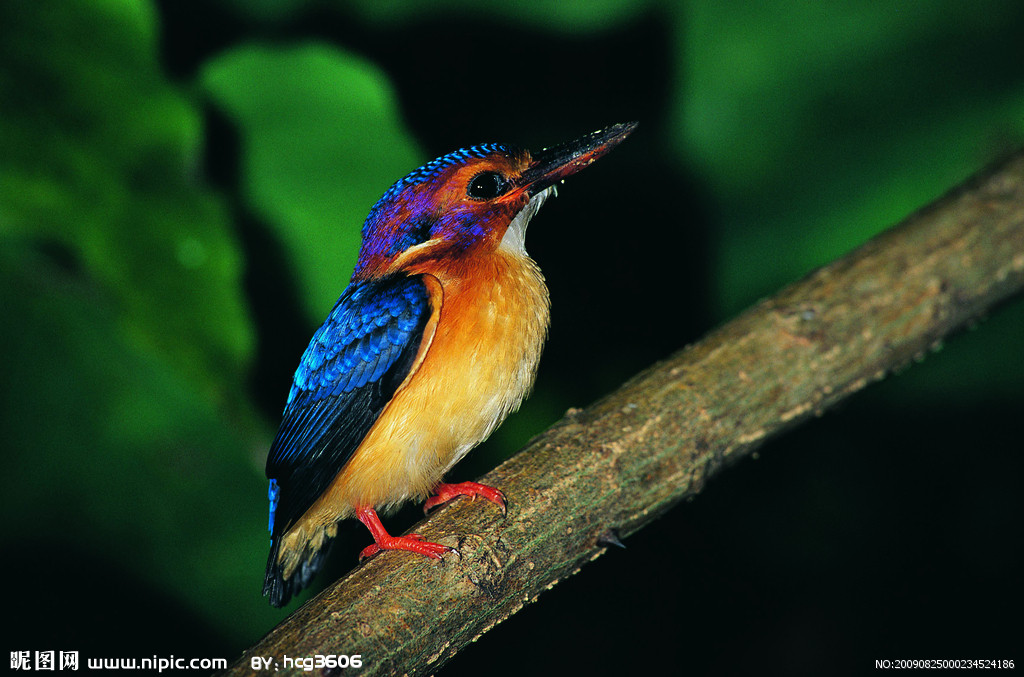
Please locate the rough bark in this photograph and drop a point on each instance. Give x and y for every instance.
(615, 466)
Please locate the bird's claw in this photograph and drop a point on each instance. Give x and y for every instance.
(446, 492)
(410, 542)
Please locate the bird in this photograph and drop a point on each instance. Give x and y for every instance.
(434, 341)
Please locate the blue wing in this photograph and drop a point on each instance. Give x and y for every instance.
(346, 377)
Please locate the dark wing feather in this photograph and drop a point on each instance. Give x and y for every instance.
(346, 377)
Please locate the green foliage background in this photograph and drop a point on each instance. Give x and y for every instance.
(137, 404)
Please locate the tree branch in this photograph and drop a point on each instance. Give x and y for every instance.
(615, 466)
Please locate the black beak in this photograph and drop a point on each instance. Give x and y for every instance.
(551, 165)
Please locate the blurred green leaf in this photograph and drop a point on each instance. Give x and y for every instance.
(100, 154)
(114, 452)
(817, 126)
(125, 333)
(322, 141)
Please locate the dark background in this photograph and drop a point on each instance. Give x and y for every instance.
(181, 188)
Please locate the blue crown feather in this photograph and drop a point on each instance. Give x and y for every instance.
(434, 168)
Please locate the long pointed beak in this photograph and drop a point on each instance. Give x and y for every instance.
(551, 165)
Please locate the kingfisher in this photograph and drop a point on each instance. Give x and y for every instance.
(434, 341)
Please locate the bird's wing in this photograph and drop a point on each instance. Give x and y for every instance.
(350, 371)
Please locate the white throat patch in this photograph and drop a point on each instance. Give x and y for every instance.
(514, 240)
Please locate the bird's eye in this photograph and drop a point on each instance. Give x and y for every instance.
(487, 185)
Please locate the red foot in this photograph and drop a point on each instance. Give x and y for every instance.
(385, 541)
(446, 492)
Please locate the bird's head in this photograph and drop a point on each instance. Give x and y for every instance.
(470, 202)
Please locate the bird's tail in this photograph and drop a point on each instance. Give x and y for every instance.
(285, 577)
